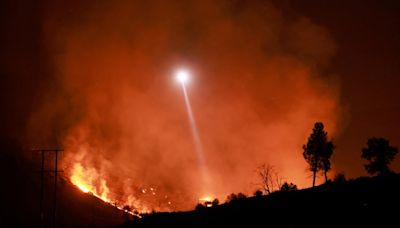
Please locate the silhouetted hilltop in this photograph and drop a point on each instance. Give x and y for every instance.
(363, 202)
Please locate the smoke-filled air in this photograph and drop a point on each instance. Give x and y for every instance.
(257, 85)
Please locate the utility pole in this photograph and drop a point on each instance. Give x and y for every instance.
(42, 171)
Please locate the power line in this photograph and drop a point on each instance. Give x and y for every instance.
(42, 172)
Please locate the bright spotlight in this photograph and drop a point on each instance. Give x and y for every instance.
(182, 76)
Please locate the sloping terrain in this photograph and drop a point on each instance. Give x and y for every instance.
(20, 197)
(364, 202)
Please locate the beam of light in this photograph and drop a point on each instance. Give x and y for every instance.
(182, 77)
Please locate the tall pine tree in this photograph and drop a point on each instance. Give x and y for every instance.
(318, 151)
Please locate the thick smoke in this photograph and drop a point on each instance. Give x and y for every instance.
(256, 91)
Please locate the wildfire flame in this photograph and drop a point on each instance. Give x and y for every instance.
(85, 180)
(88, 180)
(206, 201)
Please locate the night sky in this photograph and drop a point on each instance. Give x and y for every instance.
(97, 79)
(367, 64)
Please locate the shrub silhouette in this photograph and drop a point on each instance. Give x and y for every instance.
(199, 206)
(288, 187)
(258, 193)
(339, 177)
(233, 197)
(241, 195)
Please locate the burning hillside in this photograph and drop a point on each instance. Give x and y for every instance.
(256, 89)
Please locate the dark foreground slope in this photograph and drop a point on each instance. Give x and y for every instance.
(364, 202)
(20, 194)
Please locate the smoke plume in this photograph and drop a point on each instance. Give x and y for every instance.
(257, 87)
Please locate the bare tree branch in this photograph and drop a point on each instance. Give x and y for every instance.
(270, 178)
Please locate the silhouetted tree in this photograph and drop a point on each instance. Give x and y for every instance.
(231, 197)
(270, 178)
(318, 150)
(288, 187)
(379, 154)
(339, 177)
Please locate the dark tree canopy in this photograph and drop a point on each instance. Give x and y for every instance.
(379, 154)
(318, 150)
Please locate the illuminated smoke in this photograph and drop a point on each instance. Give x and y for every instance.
(197, 143)
(260, 84)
